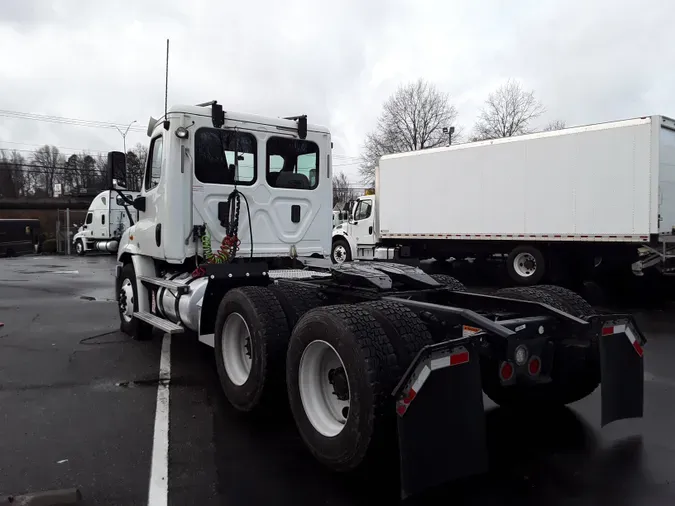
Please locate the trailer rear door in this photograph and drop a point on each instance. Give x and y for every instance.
(667, 181)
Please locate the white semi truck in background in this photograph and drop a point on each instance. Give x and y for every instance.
(106, 219)
(559, 201)
(375, 359)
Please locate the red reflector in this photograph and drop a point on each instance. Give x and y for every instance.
(411, 395)
(459, 358)
(506, 371)
(534, 366)
(606, 331)
(401, 410)
(637, 347)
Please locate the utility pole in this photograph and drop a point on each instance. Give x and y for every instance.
(449, 131)
(124, 135)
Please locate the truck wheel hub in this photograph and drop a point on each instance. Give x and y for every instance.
(126, 301)
(524, 264)
(236, 349)
(324, 388)
(340, 254)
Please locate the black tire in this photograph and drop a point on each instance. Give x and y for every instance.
(453, 283)
(296, 300)
(574, 303)
(540, 269)
(269, 334)
(406, 332)
(344, 244)
(372, 372)
(79, 248)
(138, 330)
(532, 294)
(575, 373)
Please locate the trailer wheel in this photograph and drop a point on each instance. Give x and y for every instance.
(526, 265)
(340, 371)
(406, 332)
(127, 305)
(251, 335)
(453, 283)
(295, 300)
(574, 303)
(340, 252)
(576, 369)
(79, 247)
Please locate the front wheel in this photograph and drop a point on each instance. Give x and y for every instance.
(341, 251)
(127, 302)
(79, 247)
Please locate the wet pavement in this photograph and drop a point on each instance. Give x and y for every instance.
(77, 408)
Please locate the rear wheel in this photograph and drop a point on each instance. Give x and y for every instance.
(525, 265)
(127, 305)
(296, 300)
(573, 302)
(406, 332)
(341, 252)
(340, 371)
(251, 335)
(575, 371)
(452, 283)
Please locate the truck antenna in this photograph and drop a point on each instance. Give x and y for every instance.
(166, 89)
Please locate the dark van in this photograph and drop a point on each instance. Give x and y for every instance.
(18, 236)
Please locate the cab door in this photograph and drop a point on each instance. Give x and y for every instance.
(362, 223)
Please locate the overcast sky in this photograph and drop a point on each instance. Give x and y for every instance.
(588, 61)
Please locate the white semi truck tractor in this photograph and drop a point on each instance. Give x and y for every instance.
(552, 204)
(374, 359)
(107, 217)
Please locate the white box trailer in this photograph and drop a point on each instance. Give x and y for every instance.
(567, 197)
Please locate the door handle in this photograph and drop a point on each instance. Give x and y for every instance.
(370, 230)
(295, 213)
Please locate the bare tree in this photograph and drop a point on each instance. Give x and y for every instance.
(412, 118)
(508, 111)
(47, 161)
(556, 124)
(342, 190)
(14, 179)
(137, 158)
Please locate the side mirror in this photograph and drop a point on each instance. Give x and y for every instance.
(117, 170)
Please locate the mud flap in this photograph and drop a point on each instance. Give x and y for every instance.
(622, 371)
(441, 419)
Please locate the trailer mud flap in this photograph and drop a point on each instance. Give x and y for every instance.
(622, 371)
(441, 419)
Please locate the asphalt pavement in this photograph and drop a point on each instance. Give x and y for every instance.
(78, 401)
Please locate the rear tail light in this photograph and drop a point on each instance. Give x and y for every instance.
(534, 366)
(506, 371)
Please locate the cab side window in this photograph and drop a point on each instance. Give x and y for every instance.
(363, 211)
(90, 218)
(154, 170)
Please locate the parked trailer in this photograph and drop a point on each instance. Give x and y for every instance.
(19, 236)
(562, 200)
(375, 359)
(106, 219)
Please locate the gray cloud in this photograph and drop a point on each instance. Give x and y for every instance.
(337, 62)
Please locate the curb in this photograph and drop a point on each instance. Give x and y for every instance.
(62, 497)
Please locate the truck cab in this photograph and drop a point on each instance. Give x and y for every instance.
(106, 221)
(356, 237)
(198, 156)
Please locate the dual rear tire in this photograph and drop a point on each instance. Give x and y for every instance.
(339, 365)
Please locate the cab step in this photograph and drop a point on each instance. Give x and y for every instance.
(180, 288)
(160, 323)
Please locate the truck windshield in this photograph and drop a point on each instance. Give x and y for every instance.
(215, 157)
(292, 163)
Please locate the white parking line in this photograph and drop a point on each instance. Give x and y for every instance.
(158, 491)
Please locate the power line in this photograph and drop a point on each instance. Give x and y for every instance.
(64, 120)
